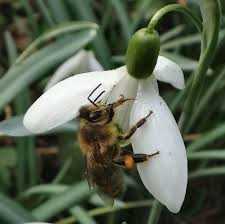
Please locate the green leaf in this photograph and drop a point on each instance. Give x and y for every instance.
(185, 63)
(31, 16)
(10, 47)
(217, 154)
(45, 13)
(83, 11)
(14, 127)
(171, 33)
(211, 22)
(63, 201)
(12, 213)
(82, 216)
(181, 42)
(144, 9)
(205, 99)
(118, 206)
(207, 138)
(123, 18)
(45, 189)
(8, 157)
(214, 171)
(41, 62)
(54, 33)
(59, 10)
(26, 157)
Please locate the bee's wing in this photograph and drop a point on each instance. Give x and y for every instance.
(89, 163)
(87, 173)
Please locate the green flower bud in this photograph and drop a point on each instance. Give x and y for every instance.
(142, 53)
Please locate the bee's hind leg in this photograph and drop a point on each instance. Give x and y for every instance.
(128, 160)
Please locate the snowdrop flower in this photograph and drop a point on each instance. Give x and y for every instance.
(165, 175)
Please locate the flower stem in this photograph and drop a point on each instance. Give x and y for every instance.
(211, 21)
(155, 213)
(174, 8)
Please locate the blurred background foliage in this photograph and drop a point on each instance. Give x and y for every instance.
(41, 177)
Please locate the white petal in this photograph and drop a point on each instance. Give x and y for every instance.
(168, 71)
(83, 61)
(128, 88)
(14, 127)
(61, 103)
(93, 64)
(164, 175)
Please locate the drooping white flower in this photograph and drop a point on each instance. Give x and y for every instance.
(165, 175)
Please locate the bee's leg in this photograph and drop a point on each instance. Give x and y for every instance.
(120, 101)
(134, 128)
(128, 160)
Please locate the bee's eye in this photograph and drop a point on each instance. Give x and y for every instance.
(94, 116)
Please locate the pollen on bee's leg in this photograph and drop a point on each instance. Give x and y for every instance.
(129, 161)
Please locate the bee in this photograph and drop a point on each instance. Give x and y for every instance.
(99, 138)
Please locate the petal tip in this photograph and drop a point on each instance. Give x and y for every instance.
(174, 210)
(168, 71)
(174, 206)
(30, 123)
(180, 85)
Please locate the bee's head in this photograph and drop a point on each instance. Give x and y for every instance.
(101, 114)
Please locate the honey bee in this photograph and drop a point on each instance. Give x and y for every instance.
(99, 138)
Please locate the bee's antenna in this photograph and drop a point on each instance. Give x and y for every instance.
(89, 96)
(99, 95)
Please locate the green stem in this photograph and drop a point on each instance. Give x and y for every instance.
(211, 21)
(109, 209)
(155, 212)
(174, 8)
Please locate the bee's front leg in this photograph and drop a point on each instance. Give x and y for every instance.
(127, 160)
(120, 101)
(133, 129)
